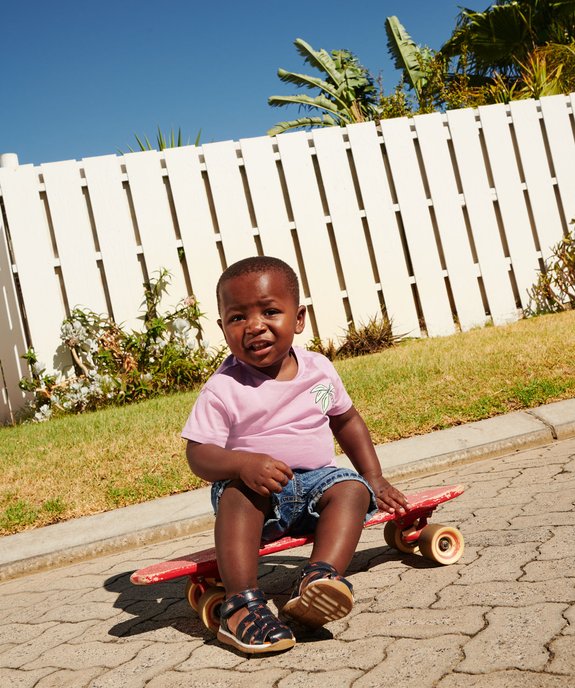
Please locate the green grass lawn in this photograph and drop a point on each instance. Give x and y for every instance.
(85, 464)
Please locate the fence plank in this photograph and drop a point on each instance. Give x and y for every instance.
(510, 197)
(12, 341)
(478, 201)
(381, 218)
(310, 220)
(230, 201)
(538, 178)
(418, 227)
(155, 222)
(559, 131)
(432, 137)
(38, 281)
(116, 238)
(350, 239)
(273, 223)
(73, 234)
(197, 231)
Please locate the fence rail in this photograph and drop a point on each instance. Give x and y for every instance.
(441, 219)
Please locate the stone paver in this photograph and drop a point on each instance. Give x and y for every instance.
(502, 617)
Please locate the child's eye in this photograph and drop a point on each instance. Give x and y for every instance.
(271, 311)
(236, 318)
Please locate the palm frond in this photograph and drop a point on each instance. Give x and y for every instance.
(320, 102)
(320, 59)
(300, 123)
(305, 80)
(406, 54)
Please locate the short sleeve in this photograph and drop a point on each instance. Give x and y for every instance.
(208, 422)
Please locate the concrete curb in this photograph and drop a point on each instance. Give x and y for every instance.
(190, 512)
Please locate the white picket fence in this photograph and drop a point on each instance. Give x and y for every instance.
(442, 219)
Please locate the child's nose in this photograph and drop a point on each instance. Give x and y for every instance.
(254, 324)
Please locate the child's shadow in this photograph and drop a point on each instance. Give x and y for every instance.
(164, 605)
(153, 607)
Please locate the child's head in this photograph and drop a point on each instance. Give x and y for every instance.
(259, 265)
(258, 301)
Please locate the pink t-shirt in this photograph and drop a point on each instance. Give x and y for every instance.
(241, 408)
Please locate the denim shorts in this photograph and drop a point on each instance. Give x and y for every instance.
(293, 510)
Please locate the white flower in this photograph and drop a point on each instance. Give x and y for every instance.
(42, 414)
(38, 368)
(181, 325)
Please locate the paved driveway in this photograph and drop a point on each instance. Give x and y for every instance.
(503, 616)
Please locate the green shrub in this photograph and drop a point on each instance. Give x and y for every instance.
(112, 366)
(376, 335)
(554, 290)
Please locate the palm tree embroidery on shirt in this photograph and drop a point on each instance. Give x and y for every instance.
(324, 396)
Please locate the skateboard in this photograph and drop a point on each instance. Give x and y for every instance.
(409, 533)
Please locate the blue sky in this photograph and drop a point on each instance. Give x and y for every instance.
(80, 79)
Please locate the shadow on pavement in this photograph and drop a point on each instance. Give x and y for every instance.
(164, 605)
(152, 607)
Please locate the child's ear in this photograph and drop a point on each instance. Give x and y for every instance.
(300, 320)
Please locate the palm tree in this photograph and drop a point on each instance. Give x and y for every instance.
(347, 93)
(502, 37)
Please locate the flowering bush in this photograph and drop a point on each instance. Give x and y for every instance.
(112, 366)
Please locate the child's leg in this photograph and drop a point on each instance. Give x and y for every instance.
(342, 509)
(321, 593)
(238, 531)
(246, 621)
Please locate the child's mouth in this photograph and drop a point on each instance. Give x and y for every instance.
(259, 346)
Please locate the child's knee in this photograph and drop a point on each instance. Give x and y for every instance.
(360, 492)
(349, 492)
(237, 495)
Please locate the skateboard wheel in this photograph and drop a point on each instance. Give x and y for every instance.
(442, 544)
(193, 594)
(209, 607)
(194, 591)
(392, 537)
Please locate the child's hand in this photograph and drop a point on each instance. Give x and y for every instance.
(264, 474)
(389, 498)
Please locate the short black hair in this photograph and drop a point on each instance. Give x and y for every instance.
(258, 265)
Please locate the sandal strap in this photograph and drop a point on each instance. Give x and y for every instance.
(246, 598)
(318, 566)
(317, 570)
(260, 625)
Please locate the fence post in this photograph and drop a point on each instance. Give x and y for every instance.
(9, 161)
(13, 340)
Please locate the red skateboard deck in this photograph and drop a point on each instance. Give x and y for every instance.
(203, 564)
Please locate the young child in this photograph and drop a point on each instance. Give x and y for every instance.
(262, 432)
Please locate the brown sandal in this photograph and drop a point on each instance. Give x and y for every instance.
(325, 596)
(259, 631)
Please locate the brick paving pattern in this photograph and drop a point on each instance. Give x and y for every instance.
(504, 616)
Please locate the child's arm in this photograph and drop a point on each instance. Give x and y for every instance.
(260, 472)
(353, 437)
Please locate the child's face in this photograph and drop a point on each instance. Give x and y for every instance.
(259, 318)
